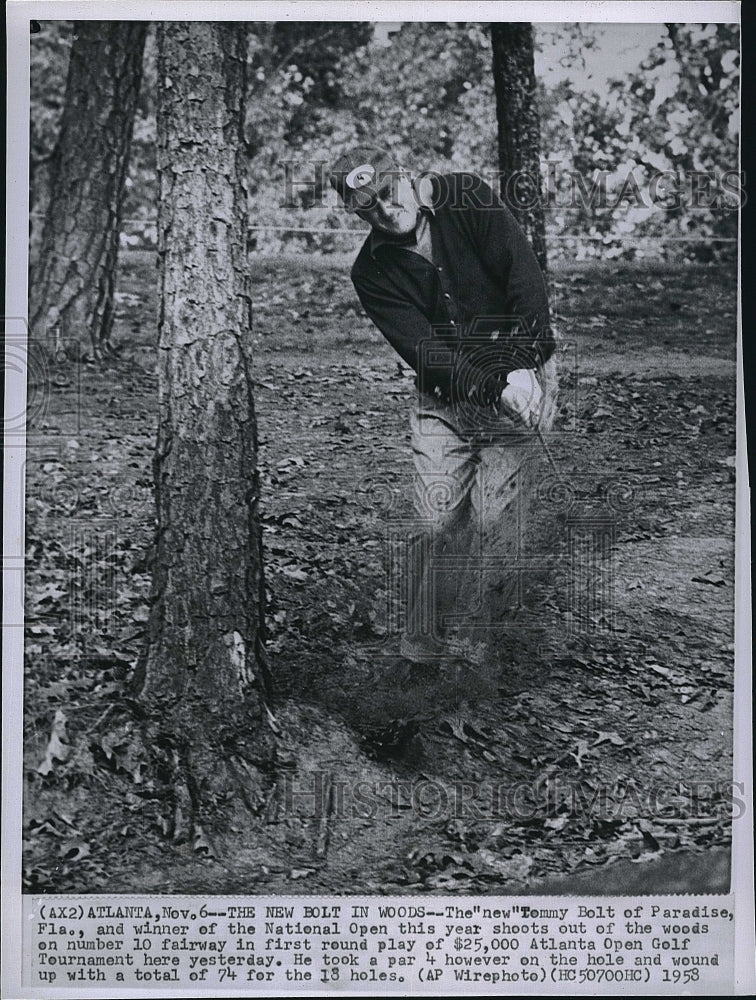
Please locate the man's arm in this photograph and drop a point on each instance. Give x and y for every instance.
(458, 376)
(509, 259)
(463, 372)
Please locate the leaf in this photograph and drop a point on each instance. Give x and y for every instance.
(297, 873)
(650, 842)
(580, 751)
(448, 880)
(613, 738)
(58, 748)
(671, 675)
(456, 726)
(101, 654)
(201, 844)
(49, 592)
(66, 819)
(74, 850)
(516, 867)
(659, 669)
(477, 734)
(296, 574)
(272, 721)
(286, 463)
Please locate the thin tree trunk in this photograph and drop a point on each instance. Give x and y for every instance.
(71, 286)
(519, 129)
(201, 668)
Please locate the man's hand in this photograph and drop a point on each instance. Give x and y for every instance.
(522, 396)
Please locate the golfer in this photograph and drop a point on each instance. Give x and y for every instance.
(449, 278)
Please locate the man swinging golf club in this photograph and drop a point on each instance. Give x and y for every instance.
(449, 278)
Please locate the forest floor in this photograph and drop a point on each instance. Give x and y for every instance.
(593, 748)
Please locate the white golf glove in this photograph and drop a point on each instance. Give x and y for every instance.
(522, 396)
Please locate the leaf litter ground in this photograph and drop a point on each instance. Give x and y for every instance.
(605, 733)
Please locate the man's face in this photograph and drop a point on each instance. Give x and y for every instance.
(394, 211)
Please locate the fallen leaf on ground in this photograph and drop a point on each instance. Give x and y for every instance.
(613, 738)
(58, 748)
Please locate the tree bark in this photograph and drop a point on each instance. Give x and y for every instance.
(72, 284)
(203, 668)
(519, 129)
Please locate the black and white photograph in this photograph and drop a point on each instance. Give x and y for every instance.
(376, 470)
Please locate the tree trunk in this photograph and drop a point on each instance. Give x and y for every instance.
(71, 286)
(519, 129)
(203, 669)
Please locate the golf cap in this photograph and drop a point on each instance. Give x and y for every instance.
(363, 173)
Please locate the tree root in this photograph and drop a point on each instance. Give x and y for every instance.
(210, 782)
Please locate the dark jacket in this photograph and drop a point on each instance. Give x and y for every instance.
(477, 312)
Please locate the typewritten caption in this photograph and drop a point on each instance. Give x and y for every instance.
(250, 944)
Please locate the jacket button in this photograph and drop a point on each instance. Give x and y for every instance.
(446, 295)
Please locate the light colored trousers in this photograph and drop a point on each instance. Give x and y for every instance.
(469, 470)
